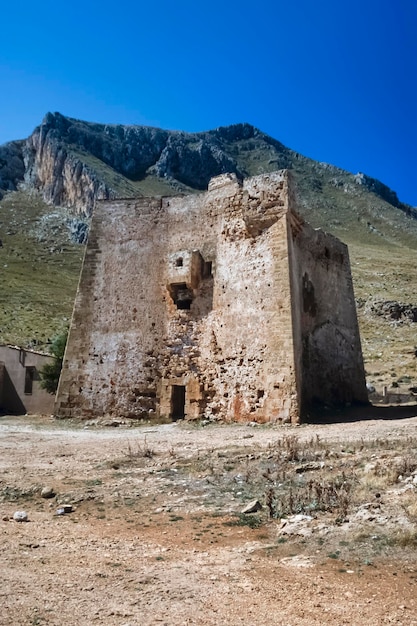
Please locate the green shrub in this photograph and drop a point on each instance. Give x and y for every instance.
(51, 371)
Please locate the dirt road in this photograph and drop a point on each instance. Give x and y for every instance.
(157, 536)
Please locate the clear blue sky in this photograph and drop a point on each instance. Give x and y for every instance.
(336, 81)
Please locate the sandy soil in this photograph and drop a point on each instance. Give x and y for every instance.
(155, 535)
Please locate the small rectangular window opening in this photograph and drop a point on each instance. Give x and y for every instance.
(179, 262)
(208, 269)
(29, 377)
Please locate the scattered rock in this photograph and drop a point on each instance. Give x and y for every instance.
(252, 507)
(64, 509)
(48, 492)
(20, 516)
(300, 560)
(296, 525)
(111, 423)
(309, 467)
(392, 310)
(78, 229)
(370, 512)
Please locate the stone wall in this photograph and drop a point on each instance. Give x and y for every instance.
(184, 307)
(329, 352)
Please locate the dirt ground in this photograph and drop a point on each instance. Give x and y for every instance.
(157, 535)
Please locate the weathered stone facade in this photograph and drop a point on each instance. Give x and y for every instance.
(224, 304)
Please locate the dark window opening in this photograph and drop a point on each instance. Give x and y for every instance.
(208, 269)
(182, 296)
(177, 402)
(179, 262)
(184, 304)
(29, 378)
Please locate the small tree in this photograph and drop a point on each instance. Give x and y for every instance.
(51, 371)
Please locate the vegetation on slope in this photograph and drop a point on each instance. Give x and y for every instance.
(39, 267)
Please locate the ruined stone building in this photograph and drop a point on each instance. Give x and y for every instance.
(224, 304)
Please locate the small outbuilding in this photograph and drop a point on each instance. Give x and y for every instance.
(20, 390)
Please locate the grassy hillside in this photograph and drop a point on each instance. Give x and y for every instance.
(39, 269)
(381, 273)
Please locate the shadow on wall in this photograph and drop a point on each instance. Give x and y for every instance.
(10, 401)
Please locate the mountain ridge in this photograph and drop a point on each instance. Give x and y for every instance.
(73, 162)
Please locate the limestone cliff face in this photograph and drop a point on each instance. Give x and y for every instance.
(192, 161)
(62, 178)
